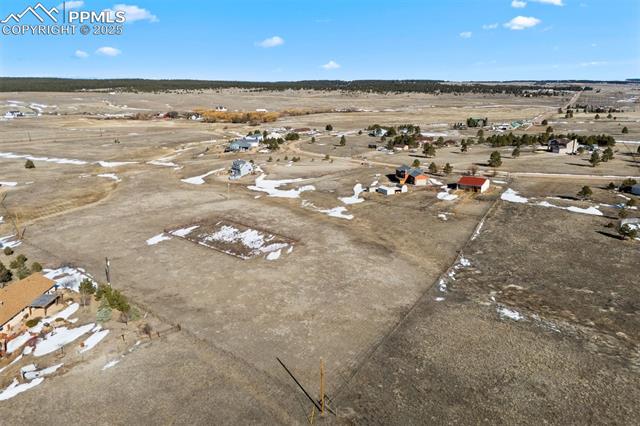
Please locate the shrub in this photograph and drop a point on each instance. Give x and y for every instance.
(5, 274)
(23, 272)
(33, 322)
(29, 165)
(8, 251)
(36, 267)
(625, 130)
(328, 127)
(416, 163)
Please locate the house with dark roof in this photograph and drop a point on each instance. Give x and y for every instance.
(562, 146)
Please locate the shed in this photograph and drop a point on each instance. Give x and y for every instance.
(387, 190)
(473, 183)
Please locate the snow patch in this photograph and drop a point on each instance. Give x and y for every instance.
(271, 187)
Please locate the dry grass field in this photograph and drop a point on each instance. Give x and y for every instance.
(540, 326)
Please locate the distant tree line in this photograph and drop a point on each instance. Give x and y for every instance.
(543, 138)
(33, 84)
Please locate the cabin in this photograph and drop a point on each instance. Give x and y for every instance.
(562, 146)
(474, 183)
(19, 300)
(240, 168)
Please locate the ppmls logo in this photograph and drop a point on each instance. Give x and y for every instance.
(34, 11)
(105, 22)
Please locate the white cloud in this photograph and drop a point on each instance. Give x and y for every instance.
(108, 51)
(553, 2)
(71, 5)
(81, 54)
(522, 22)
(271, 42)
(593, 64)
(518, 4)
(490, 26)
(331, 65)
(134, 13)
(466, 34)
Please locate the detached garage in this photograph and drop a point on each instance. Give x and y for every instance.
(472, 183)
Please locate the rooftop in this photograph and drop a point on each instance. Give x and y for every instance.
(19, 295)
(471, 181)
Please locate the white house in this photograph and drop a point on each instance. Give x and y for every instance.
(240, 168)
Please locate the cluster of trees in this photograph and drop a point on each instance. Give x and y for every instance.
(18, 266)
(543, 138)
(434, 168)
(22, 84)
(239, 117)
(596, 158)
(472, 122)
(273, 143)
(292, 136)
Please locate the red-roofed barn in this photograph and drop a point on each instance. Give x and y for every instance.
(473, 183)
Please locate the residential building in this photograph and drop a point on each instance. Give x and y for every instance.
(473, 183)
(562, 146)
(240, 168)
(19, 300)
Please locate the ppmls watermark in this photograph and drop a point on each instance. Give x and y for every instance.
(52, 21)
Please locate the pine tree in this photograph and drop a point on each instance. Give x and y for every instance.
(495, 160)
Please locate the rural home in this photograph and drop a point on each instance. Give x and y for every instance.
(562, 146)
(402, 172)
(244, 144)
(20, 299)
(13, 114)
(240, 168)
(473, 183)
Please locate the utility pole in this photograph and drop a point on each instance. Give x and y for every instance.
(107, 264)
(321, 388)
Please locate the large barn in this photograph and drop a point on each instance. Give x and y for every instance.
(473, 183)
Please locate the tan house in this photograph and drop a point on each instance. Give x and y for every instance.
(30, 296)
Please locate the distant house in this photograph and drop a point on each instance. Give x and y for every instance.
(473, 183)
(221, 108)
(378, 132)
(562, 146)
(20, 299)
(373, 146)
(261, 110)
(635, 189)
(240, 168)
(245, 144)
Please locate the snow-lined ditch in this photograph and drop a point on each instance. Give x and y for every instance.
(8, 241)
(443, 287)
(338, 212)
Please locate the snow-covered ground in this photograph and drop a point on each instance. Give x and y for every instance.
(271, 187)
(60, 337)
(11, 155)
(7, 242)
(256, 243)
(355, 198)
(68, 277)
(512, 196)
(93, 340)
(16, 388)
(505, 312)
(157, 239)
(112, 176)
(8, 183)
(199, 180)
(110, 164)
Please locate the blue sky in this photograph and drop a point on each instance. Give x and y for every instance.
(342, 39)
